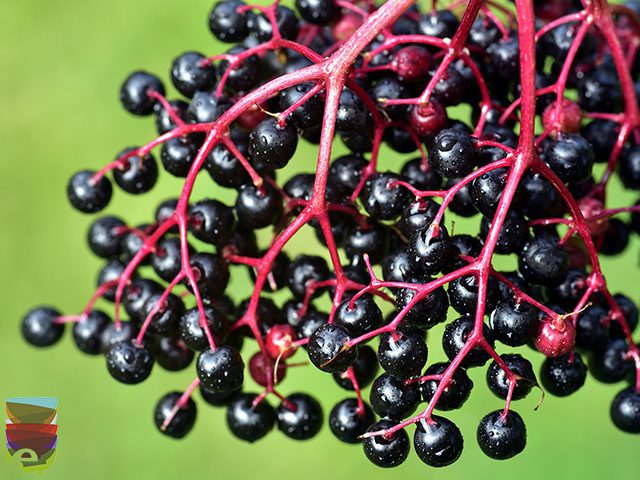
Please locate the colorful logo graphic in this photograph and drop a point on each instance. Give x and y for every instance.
(32, 431)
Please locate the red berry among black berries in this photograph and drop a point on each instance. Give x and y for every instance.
(438, 441)
(87, 194)
(502, 437)
(129, 362)
(39, 327)
(220, 370)
(182, 422)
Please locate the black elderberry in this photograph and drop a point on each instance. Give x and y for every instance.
(39, 327)
(104, 236)
(301, 422)
(570, 156)
(211, 221)
(206, 107)
(318, 12)
(562, 376)
(454, 394)
(220, 370)
(134, 93)
(513, 324)
(329, 348)
(87, 332)
(427, 312)
(360, 316)
(543, 260)
(348, 421)
(212, 273)
(455, 336)
(452, 154)
(183, 420)
(114, 333)
(441, 24)
(227, 23)
(191, 331)
(431, 250)
(394, 398)
(625, 410)
(164, 121)
(438, 441)
(129, 362)
(387, 451)
(178, 154)
(382, 200)
(273, 144)
(172, 354)
(305, 270)
(88, 194)
(258, 207)
(610, 364)
(189, 75)
(518, 365)
(247, 421)
(402, 353)
(365, 369)
(502, 437)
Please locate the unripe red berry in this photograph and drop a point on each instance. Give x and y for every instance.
(261, 367)
(555, 337)
(412, 63)
(591, 207)
(279, 340)
(566, 117)
(427, 120)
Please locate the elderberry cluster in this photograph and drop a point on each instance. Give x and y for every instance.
(440, 91)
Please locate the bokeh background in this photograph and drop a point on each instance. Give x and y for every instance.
(61, 64)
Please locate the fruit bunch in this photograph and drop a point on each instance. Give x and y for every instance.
(518, 115)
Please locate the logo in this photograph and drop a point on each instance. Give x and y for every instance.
(31, 430)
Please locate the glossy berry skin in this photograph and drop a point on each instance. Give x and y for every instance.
(104, 236)
(263, 371)
(273, 144)
(592, 333)
(611, 365)
(438, 442)
(513, 324)
(305, 270)
(347, 422)
(397, 266)
(625, 410)
(303, 423)
(504, 56)
(87, 332)
(87, 195)
(502, 438)
(463, 294)
(361, 317)
(164, 121)
(486, 191)
(247, 422)
(205, 107)
(543, 261)
(386, 452)
(452, 154)
(328, 349)
(212, 273)
(555, 338)
(128, 362)
(138, 174)
(220, 370)
(421, 175)
(112, 335)
(454, 394)
(256, 208)
(183, 421)
(393, 398)
(441, 24)
(177, 155)
(562, 376)
(309, 114)
(417, 215)
(211, 221)
(134, 96)
(226, 23)
(318, 12)
(365, 368)
(431, 250)
(403, 353)
(189, 76)
(381, 200)
(523, 370)
(570, 157)
(629, 168)
(172, 354)
(425, 313)
(278, 341)
(191, 332)
(39, 328)
(455, 337)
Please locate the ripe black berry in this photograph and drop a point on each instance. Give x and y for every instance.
(391, 397)
(454, 394)
(182, 422)
(220, 370)
(361, 317)
(134, 92)
(502, 437)
(272, 144)
(39, 327)
(248, 422)
(328, 348)
(452, 154)
(562, 376)
(137, 174)
(87, 332)
(386, 452)
(302, 422)
(87, 194)
(625, 410)
(403, 353)
(348, 422)
(189, 75)
(520, 367)
(128, 362)
(438, 441)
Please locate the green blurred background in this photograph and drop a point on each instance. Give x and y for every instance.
(61, 64)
